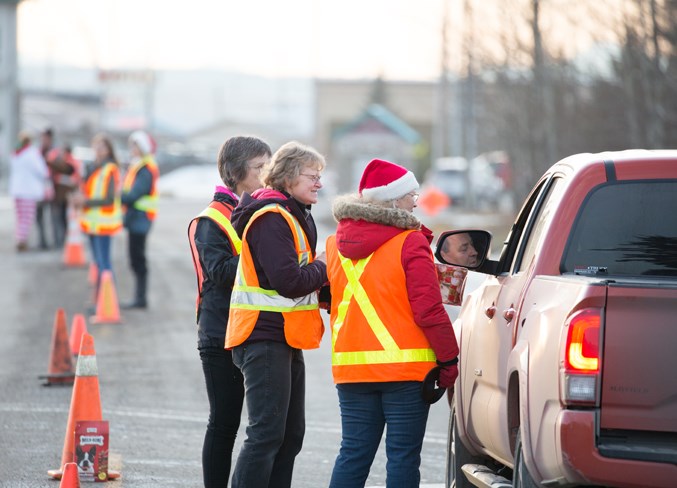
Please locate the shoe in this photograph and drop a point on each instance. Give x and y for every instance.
(21, 247)
(135, 304)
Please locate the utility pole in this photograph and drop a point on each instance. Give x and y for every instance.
(470, 116)
(441, 133)
(9, 91)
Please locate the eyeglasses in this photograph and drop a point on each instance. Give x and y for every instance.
(413, 195)
(315, 178)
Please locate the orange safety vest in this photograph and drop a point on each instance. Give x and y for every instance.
(147, 203)
(303, 327)
(220, 213)
(105, 220)
(374, 335)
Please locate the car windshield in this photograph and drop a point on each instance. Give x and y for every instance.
(626, 228)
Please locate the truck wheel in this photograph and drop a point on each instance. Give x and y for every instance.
(520, 475)
(457, 456)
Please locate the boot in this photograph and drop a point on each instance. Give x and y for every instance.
(140, 295)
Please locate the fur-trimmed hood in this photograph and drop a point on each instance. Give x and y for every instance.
(363, 227)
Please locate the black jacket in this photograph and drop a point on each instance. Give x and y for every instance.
(219, 264)
(272, 246)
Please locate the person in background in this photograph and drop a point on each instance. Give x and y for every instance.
(101, 215)
(28, 175)
(215, 246)
(44, 205)
(274, 312)
(389, 327)
(65, 171)
(140, 200)
(458, 249)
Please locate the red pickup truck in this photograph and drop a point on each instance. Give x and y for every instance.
(568, 362)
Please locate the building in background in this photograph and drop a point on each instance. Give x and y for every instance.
(9, 100)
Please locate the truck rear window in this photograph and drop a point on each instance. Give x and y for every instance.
(626, 228)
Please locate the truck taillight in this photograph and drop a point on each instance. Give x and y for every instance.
(582, 358)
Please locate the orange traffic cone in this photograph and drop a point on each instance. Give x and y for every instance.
(107, 308)
(78, 328)
(60, 370)
(85, 402)
(71, 477)
(73, 251)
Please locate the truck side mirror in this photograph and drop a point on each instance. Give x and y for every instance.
(466, 248)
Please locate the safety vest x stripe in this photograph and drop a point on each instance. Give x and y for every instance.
(255, 298)
(391, 352)
(214, 214)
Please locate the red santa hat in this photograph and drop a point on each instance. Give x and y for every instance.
(144, 141)
(382, 180)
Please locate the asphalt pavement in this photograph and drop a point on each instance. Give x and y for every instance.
(151, 384)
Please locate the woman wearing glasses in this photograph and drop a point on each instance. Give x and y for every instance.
(389, 327)
(274, 312)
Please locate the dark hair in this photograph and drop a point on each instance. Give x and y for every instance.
(234, 155)
(48, 132)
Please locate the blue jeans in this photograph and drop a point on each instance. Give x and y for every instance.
(101, 246)
(274, 381)
(366, 408)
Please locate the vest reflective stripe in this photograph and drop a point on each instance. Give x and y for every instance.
(106, 220)
(254, 298)
(220, 213)
(360, 324)
(303, 326)
(147, 203)
(226, 226)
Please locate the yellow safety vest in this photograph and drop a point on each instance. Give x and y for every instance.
(105, 220)
(303, 327)
(147, 203)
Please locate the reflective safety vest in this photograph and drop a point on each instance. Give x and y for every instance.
(220, 213)
(303, 325)
(374, 335)
(105, 220)
(147, 203)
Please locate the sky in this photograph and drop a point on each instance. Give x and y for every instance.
(398, 39)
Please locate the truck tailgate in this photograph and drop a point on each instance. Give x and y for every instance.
(639, 369)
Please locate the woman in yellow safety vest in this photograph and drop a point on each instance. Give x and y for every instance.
(274, 312)
(139, 200)
(100, 201)
(215, 247)
(389, 327)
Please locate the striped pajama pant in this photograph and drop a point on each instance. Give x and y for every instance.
(25, 217)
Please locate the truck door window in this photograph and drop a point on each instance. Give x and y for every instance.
(538, 223)
(626, 228)
(512, 240)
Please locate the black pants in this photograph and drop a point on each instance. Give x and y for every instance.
(225, 390)
(41, 216)
(137, 253)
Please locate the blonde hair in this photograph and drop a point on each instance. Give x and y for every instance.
(288, 162)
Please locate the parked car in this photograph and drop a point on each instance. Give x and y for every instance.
(567, 362)
(453, 175)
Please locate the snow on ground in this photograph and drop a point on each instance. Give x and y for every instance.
(197, 181)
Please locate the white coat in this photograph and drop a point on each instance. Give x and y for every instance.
(29, 175)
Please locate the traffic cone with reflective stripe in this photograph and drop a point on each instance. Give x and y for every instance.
(107, 307)
(60, 369)
(78, 328)
(73, 250)
(85, 402)
(71, 477)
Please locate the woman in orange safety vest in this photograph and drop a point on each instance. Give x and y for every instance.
(216, 246)
(389, 327)
(101, 218)
(274, 313)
